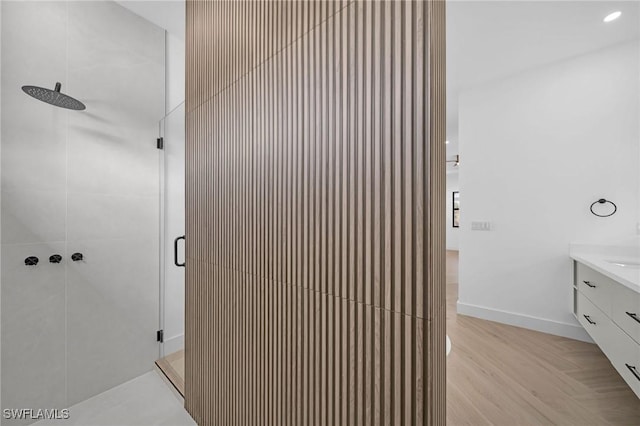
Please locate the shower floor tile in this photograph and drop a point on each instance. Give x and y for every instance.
(144, 401)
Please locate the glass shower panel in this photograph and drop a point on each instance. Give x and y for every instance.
(173, 132)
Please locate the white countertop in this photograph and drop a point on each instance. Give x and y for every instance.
(600, 258)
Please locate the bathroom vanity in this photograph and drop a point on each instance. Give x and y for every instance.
(606, 301)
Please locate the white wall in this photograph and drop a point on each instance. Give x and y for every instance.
(452, 233)
(175, 77)
(79, 181)
(538, 148)
(0, 201)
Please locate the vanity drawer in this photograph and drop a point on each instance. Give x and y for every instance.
(595, 286)
(626, 310)
(596, 322)
(625, 357)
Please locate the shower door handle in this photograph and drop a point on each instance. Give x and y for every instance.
(175, 251)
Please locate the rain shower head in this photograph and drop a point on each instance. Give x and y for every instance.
(54, 97)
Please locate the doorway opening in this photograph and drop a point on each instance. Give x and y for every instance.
(542, 122)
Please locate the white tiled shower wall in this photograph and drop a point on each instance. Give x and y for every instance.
(78, 182)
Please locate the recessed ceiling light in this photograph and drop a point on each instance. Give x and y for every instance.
(612, 16)
(446, 142)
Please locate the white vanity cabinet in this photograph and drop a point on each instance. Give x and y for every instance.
(610, 312)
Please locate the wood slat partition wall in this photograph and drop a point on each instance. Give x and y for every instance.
(315, 213)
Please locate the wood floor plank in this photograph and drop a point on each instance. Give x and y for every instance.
(173, 368)
(503, 375)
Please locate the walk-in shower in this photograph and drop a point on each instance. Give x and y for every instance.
(54, 97)
(80, 201)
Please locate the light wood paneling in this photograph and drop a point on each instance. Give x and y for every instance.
(315, 205)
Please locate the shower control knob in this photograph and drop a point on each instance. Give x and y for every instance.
(76, 257)
(55, 258)
(31, 261)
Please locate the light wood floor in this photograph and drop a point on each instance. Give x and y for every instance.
(503, 375)
(173, 368)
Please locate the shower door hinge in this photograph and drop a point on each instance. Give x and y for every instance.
(160, 143)
(160, 336)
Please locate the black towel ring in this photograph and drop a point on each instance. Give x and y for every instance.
(603, 201)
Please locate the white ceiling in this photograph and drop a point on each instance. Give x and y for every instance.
(486, 40)
(167, 14)
(489, 40)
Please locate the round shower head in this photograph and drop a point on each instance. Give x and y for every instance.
(53, 97)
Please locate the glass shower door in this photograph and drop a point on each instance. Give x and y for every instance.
(172, 130)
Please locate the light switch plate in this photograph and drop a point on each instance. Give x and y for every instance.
(480, 226)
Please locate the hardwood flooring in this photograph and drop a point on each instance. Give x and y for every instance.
(173, 368)
(503, 375)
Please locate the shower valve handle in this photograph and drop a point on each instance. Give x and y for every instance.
(31, 261)
(77, 256)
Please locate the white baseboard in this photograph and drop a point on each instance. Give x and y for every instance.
(571, 331)
(173, 344)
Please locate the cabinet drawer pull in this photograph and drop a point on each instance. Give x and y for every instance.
(633, 315)
(633, 370)
(588, 318)
(589, 284)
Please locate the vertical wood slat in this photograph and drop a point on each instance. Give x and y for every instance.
(315, 205)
